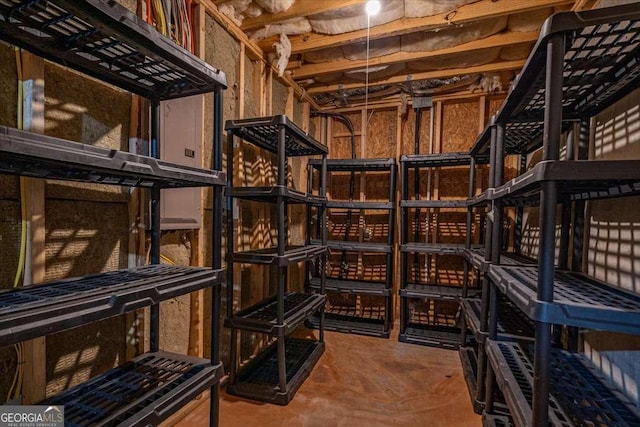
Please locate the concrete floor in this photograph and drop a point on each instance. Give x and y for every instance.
(361, 381)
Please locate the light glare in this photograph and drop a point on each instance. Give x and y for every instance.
(373, 7)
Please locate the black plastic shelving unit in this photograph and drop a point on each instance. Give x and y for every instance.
(423, 326)
(106, 41)
(582, 63)
(279, 370)
(353, 247)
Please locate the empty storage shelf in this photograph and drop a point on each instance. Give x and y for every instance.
(578, 390)
(107, 41)
(293, 255)
(40, 156)
(431, 335)
(351, 325)
(264, 133)
(346, 245)
(496, 420)
(270, 195)
(35, 311)
(357, 205)
(434, 248)
(355, 165)
(578, 179)
(144, 391)
(351, 286)
(263, 317)
(477, 260)
(407, 204)
(441, 292)
(436, 160)
(512, 323)
(578, 300)
(258, 379)
(600, 64)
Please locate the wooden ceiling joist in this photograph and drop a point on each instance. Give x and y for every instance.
(495, 41)
(483, 9)
(437, 74)
(297, 10)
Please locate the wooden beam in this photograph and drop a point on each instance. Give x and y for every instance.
(199, 239)
(252, 49)
(437, 74)
(475, 46)
(297, 10)
(483, 9)
(35, 351)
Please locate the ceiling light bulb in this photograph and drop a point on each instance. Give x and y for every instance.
(373, 7)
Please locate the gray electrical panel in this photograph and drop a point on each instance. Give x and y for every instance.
(181, 142)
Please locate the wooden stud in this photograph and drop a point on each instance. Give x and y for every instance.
(199, 239)
(35, 351)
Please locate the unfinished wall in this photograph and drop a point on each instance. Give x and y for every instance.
(86, 225)
(459, 125)
(9, 206)
(613, 246)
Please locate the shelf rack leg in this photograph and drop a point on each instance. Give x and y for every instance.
(484, 305)
(154, 339)
(548, 200)
(578, 225)
(325, 237)
(216, 262)
(517, 240)
(404, 237)
(467, 245)
(282, 242)
(493, 334)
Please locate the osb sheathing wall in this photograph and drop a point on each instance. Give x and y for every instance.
(391, 133)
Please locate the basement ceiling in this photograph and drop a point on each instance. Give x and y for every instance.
(416, 47)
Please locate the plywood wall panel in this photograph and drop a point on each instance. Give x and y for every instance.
(381, 139)
(407, 145)
(459, 125)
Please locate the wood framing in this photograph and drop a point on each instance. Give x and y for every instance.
(483, 9)
(297, 10)
(35, 352)
(438, 74)
(476, 46)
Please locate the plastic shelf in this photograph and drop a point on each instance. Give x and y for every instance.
(408, 204)
(270, 195)
(436, 160)
(344, 204)
(512, 323)
(263, 132)
(263, 317)
(106, 41)
(432, 336)
(355, 165)
(469, 361)
(481, 199)
(441, 292)
(293, 255)
(578, 179)
(144, 391)
(34, 311)
(258, 379)
(351, 286)
(39, 156)
(495, 420)
(476, 259)
(357, 246)
(578, 300)
(600, 64)
(578, 391)
(351, 325)
(434, 248)
(519, 138)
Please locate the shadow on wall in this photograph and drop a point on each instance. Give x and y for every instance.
(614, 244)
